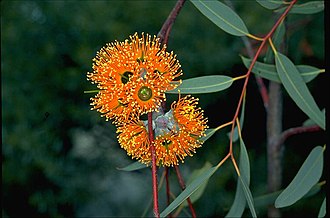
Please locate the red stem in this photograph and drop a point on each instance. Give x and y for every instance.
(183, 187)
(296, 130)
(261, 85)
(260, 82)
(163, 35)
(264, 40)
(263, 91)
(167, 188)
(153, 165)
(166, 28)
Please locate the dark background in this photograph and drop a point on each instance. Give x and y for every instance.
(60, 159)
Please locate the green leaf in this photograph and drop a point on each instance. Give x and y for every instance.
(208, 134)
(270, 4)
(203, 84)
(322, 211)
(268, 71)
(248, 197)
(267, 199)
(222, 16)
(310, 122)
(133, 166)
(238, 206)
(307, 176)
(297, 89)
(308, 73)
(277, 39)
(245, 177)
(190, 189)
(311, 7)
(195, 174)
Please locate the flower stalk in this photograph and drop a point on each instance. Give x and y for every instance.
(168, 192)
(183, 187)
(167, 26)
(163, 35)
(153, 166)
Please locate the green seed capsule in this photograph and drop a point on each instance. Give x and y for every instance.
(145, 93)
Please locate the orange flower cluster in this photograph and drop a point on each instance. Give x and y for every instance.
(132, 77)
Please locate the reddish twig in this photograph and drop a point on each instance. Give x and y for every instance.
(263, 91)
(153, 165)
(183, 187)
(261, 85)
(264, 40)
(168, 192)
(166, 28)
(297, 130)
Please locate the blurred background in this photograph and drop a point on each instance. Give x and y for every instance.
(59, 159)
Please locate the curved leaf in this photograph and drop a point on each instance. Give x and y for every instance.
(307, 176)
(238, 206)
(270, 4)
(297, 89)
(277, 39)
(208, 134)
(133, 166)
(222, 16)
(190, 189)
(267, 199)
(322, 211)
(195, 174)
(245, 177)
(311, 7)
(248, 196)
(203, 84)
(310, 122)
(268, 71)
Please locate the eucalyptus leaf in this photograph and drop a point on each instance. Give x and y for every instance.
(307, 176)
(190, 189)
(297, 89)
(310, 122)
(248, 196)
(268, 71)
(311, 7)
(239, 203)
(323, 209)
(194, 175)
(270, 4)
(277, 39)
(133, 166)
(268, 199)
(208, 134)
(278, 35)
(222, 16)
(203, 84)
